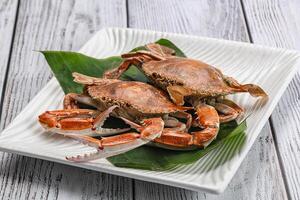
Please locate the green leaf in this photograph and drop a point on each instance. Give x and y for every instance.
(146, 157)
(63, 63)
(171, 45)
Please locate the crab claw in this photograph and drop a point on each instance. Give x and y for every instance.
(208, 118)
(114, 145)
(79, 121)
(71, 101)
(106, 147)
(228, 110)
(147, 127)
(174, 140)
(174, 123)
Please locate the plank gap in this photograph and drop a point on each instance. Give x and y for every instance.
(133, 188)
(244, 16)
(280, 160)
(127, 13)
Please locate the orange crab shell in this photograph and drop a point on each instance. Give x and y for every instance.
(138, 97)
(198, 77)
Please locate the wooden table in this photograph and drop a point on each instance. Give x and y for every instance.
(270, 171)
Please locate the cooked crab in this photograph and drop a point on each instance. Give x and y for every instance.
(192, 81)
(134, 102)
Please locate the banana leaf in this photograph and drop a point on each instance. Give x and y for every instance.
(64, 63)
(153, 158)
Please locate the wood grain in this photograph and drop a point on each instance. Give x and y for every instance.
(68, 24)
(277, 23)
(259, 177)
(211, 18)
(59, 25)
(8, 12)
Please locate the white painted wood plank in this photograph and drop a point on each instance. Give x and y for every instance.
(215, 18)
(277, 23)
(259, 177)
(65, 25)
(8, 11)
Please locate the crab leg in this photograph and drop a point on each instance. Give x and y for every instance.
(71, 99)
(174, 123)
(160, 49)
(229, 110)
(132, 124)
(231, 104)
(117, 72)
(110, 146)
(144, 54)
(227, 113)
(174, 140)
(100, 119)
(88, 80)
(79, 121)
(184, 115)
(253, 89)
(134, 58)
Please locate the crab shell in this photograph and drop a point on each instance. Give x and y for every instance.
(198, 77)
(136, 100)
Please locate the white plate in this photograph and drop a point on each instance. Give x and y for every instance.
(270, 68)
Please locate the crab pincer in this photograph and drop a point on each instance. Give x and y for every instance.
(208, 119)
(79, 121)
(113, 145)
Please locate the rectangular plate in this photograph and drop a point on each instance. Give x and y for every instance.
(270, 68)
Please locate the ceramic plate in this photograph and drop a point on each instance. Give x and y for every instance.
(270, 68)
